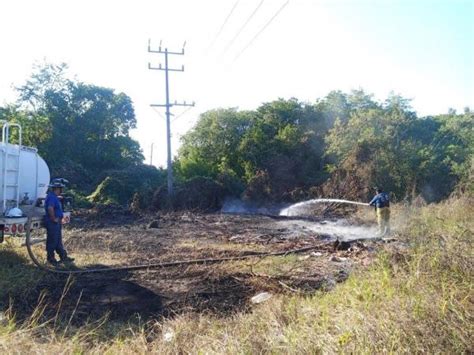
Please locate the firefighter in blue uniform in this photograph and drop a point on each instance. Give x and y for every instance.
(381, 201)
(53, 223)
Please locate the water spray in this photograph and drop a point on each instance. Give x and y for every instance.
(300, 205)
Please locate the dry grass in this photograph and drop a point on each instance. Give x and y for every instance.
(414, 298)
(207, 246)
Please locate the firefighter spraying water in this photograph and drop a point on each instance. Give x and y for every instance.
(381, 202)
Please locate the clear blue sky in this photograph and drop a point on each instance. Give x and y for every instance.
(432, 38)
(421, 49)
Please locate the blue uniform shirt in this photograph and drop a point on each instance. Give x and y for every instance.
(53, 201)
(380, 200)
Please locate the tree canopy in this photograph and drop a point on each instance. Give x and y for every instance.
(80, 129)
(287, 148)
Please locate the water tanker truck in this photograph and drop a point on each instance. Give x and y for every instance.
(24, 180)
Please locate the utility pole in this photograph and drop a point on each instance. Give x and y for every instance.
(168, 105)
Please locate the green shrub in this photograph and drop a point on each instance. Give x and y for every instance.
(119, 186)
(80, 200)
(198, 193)
(232, 185)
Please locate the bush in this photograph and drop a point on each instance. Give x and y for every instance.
(198, 193)
(109, 191)
(79, 199)
(119, 186)
(258, 188)
(231, 184)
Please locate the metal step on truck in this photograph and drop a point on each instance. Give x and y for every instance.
(24, 180)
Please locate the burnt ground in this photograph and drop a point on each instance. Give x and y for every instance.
(221, 288)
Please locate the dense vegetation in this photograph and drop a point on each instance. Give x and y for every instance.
(285, 150)
(343, 144)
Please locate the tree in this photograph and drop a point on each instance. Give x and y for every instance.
(279, 145)
(36, 129)
(407, 155)
(211, 147)
(87, 126)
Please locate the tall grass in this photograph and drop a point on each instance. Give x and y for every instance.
(417, 297)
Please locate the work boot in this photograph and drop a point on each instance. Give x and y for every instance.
(66, 259)
(53, 262)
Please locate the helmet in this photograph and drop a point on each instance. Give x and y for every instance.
(58, 183)
(15, 212)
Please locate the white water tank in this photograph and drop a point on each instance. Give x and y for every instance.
(23, 173)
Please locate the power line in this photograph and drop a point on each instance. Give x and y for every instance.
(223, 24)
(243, 27)
(261, 30)
(158, 112)
(181, 114)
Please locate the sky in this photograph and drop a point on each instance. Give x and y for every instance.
(421, 49)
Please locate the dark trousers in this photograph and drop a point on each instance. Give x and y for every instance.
(54, 240)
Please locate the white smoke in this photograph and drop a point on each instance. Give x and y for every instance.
(239, 206)
(339, 229)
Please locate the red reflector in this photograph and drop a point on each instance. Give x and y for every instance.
(13, 228)
(20, 228)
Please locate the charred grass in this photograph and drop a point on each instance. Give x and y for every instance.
(416, 296)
